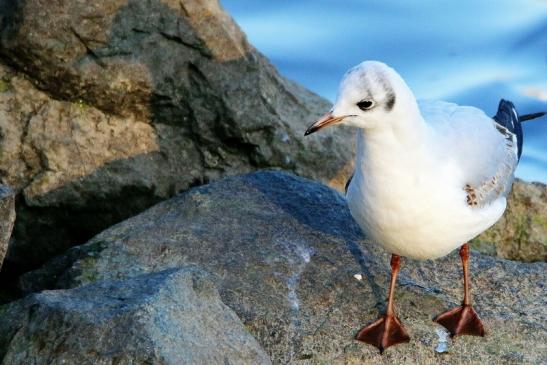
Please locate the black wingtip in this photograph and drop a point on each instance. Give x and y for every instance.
(525, 117)
(508, 118)
(507, 115)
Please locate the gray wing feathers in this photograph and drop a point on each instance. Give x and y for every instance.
(495, 187)
(507, 123)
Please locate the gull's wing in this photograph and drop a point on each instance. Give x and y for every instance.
(486, 150)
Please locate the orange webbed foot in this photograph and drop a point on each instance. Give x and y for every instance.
(383, 333)
(461, 320)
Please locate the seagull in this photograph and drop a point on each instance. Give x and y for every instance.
(429, 176)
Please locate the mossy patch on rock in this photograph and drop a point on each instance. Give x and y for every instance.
(4, 86)
(521, 233)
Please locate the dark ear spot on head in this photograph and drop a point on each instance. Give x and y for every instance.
(390, 103)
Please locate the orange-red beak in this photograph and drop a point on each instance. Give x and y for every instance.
(323, 122)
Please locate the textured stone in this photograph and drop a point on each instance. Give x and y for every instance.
(288, 257)
(521, 234)
(110, 106)
(7, 217)
(171, 317)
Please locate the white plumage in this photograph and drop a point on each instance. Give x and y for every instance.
(429, 176)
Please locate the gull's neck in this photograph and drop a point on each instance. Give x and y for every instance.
(398, 141)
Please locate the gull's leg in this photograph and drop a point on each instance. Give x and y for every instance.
(388, 330)
(462, 320)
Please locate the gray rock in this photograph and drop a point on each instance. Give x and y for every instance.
(286, 254)
(7, 218)
(521, 234)
(110, 106)
(171, 317)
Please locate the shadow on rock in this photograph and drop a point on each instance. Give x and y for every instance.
(292, 281)
(159, 96)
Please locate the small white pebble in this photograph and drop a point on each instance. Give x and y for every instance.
(443, 336)
(358, 277)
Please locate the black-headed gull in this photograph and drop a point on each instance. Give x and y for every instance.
(428, 177)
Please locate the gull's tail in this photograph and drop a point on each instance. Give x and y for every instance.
(525, 117)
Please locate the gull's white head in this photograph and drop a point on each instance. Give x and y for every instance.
(371, 95)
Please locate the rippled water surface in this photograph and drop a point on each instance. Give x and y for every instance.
(468, 52)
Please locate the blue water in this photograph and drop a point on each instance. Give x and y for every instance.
(468, 52)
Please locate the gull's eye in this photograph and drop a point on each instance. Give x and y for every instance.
(365, 104)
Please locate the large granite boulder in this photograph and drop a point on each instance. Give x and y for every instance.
(107, 107)
(7, 218)
(170, 317)
(521, 234)
(294, 266)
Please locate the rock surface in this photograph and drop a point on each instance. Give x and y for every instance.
(521, 234)
(293, 265)
(171, 317)
(110, 106)
(7, 218)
